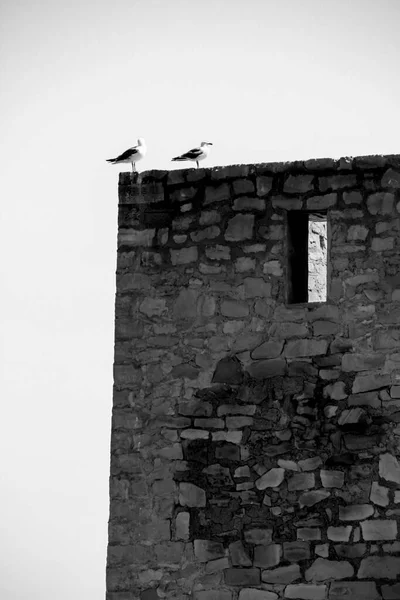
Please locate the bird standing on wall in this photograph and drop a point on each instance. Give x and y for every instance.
(132, 155)
(195, 154)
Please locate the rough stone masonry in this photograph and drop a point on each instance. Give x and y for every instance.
(255, 443)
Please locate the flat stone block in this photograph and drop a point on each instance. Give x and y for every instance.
(389, 468)
(267, 556)
(191, 495)
(309, 533)
(305, 347)
(339, 534)
(184, 256)
(305, 591)
(217, 194)
(298, 184)
(321, 202)
(353, 590)
(379, 567)
(253, 594)
(379, 529)
(391, 592)
(296, 551)
(255, 287)
(238, 555)
(311, 498)
(282, 574)
(212, 595)
(240, 227)
(332, 479)
(355, 512)
(270, 349)
(263, 369)
(205, 550)
(323, 569)
(258, 536)
(301, 481)
(365, 383)
(242, 577)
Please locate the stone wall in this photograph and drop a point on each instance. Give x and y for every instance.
(255, 443)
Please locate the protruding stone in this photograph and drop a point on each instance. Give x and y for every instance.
(282, 574)
(323, 569)
(389, 468)
(374, 381)
(355, 512)
(301, 481)
(339, 534)
(182, 522)
(391, 179)
(298, 184)
(332, 479)
(379, 567)
(270, 349)
(273, 478)
(295, 551)
(305, 347)
(238, 555)
(379, 494)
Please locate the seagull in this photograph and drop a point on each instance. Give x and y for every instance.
(132, 155)
(196, 154)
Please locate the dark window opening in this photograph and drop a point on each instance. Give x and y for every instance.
(307, 256)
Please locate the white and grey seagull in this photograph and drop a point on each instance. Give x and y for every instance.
(132, 155)
(195, 154)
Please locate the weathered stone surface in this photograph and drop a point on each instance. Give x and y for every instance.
(379, 494)
(282, 574)
(296, 551)
(134, 237)
(270, 349)
(267, 556)
(353, 590)
(258, 536)
(182, 523)
(379, 529)
(311, 498)
(308, 533)
(264, 185)
(362, 362)
(380, 203)
(337, 182)
(374, 381)
(242, 577)
(256, 287)
(301, 481)
(321, 202)
(232, 308)
(295, 184)
(309, 464)
(240, 227)
(272, 478)
(205, 550)
(184, 255)
(229, 371)
(305, 591)
(263, 369)
(238, 555)
(355, 512)
(339, 534)
(253, 594)
(305, 347)
(379, 567)
(185, 304)
(210, 595)
(389, 468)
(323, 569)
(350, 550)
(217, 194)
(391, 179)
(332, 479)
(245, 203)
(391, 592)
(191, 495)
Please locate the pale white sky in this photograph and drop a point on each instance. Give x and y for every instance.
(264, 80)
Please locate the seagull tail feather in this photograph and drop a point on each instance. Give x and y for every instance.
(111, 160)
(179, 158)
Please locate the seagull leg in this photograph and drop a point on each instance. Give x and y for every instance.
(197, 163)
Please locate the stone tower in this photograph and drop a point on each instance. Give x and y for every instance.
(255, 433)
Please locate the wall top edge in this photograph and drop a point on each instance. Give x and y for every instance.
(192, 175)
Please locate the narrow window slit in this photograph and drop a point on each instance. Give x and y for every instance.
(307, 256)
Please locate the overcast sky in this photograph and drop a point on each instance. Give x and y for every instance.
(264, 80)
